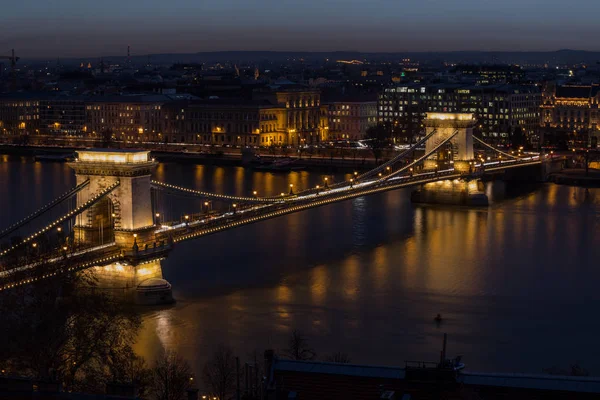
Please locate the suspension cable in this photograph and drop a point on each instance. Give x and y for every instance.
(382, 167)
(214, 196)
(493, 148)
(45, 208)
(436, 148)
(93, 200)
(396, 158)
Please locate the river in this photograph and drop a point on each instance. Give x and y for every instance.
(516, 283)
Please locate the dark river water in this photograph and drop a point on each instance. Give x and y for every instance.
(517, 283)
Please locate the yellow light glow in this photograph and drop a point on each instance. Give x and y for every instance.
(450, 116)
(113, 157)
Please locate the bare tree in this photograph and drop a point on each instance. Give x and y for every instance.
(338, 357)
(172, 376)
(378, 139)
(219, 373)
(298, 348)
(60, 331)
(107, 137)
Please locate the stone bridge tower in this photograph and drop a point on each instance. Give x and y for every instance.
(127, 210)
(458, 154)
(123, 218)
(445, 125)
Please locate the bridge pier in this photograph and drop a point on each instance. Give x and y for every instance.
(138, 284)
(454, 192)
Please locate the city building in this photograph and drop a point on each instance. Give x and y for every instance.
(129, 118)
(417, 380)
(491, 74)
(500, 109)
(225, 122)
(19, 114)
(349, 117)
(284, 114)
(571, 107)
(63, 115)
(302, 108)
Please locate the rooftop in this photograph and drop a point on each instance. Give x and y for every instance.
(317, 380)
(577, 92)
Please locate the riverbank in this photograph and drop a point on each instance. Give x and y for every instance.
(231, 157)
(576, 177)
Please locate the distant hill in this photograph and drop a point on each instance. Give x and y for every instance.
(505, 57)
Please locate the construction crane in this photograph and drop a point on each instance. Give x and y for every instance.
(13, 64)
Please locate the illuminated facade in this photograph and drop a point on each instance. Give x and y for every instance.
(278, 115)
(351, 119)
(63, 116)
(225, 122)
(19, 116)
(130, 118)
(274, 117)
(571, 107)
(302, 112)
(498, 109)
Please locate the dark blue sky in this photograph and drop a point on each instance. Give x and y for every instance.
(50, 28)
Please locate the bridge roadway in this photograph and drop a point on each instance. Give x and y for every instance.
(167, 234)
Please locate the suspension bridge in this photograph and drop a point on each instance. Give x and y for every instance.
(114, 224)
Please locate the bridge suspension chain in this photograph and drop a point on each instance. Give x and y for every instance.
(43, 209)
(493, 148)
(397, 158)
(93, 200)
(214, 196)
(436, 148)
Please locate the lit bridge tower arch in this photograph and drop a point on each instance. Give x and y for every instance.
(123, 218)
(443, 126)
(457, 154)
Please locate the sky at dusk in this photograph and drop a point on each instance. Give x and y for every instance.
(80, 28)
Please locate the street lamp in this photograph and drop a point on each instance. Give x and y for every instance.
(206, 204)
(291, 189)
(187, 218)
(255, 193)
(326, 182)
(157, 218)
(351, 181)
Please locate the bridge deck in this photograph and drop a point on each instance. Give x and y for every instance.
(110, 253)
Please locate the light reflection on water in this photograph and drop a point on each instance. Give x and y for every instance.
(515, 283)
